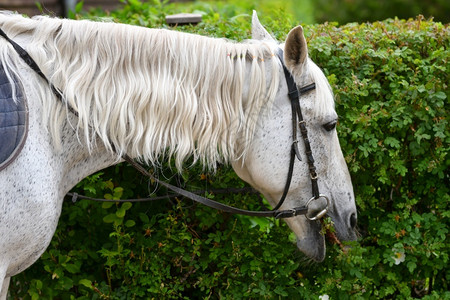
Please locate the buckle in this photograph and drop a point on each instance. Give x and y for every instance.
(321, 213)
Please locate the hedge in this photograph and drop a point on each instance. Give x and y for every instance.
(390, 79)
(374, 10)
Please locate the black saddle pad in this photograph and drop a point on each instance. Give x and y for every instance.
(13, 119)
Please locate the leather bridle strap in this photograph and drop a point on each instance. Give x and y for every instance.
(294, 95)
(276, 213)
(33, 65)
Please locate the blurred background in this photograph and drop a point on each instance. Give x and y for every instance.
(305, 11)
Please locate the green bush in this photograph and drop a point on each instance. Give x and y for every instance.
(344, 11)
(391, 84)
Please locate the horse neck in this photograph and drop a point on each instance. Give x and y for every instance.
(76, 160)
(202, 115)
(216, 124)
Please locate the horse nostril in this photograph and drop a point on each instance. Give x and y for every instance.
(353, 220)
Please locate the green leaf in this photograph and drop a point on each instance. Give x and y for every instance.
(440, 95)
(109, 185)
(110, 218)
(86, 282)
(118, 191)
(107, 205)
(72, 268)
(130, 223)
(393, 142)
(120, 213)
(118, 221)
(79, 7)
(126, 206)
(38, 284)
(411, 266)
(144, 218)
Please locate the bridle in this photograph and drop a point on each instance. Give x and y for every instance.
(297, 120)
(294, 94)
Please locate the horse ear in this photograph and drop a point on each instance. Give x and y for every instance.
(258, 31)
(295, 50)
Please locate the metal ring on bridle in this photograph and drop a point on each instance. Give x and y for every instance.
(321, 213)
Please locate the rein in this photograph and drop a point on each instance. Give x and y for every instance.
(294, 95)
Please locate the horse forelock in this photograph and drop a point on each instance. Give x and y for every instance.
(152, 93)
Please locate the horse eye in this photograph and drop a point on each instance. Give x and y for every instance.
(330, 125)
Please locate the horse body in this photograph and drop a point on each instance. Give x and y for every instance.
(34, 185)
(244, 121)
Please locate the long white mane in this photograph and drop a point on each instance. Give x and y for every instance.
(151, 92)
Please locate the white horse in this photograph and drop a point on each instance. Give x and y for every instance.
(153, 94)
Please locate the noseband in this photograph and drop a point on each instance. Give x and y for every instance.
(297, 120)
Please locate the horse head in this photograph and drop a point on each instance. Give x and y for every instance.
(265, 166)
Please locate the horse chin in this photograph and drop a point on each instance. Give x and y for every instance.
(313, 244)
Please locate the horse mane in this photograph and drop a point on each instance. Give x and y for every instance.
(151, 93)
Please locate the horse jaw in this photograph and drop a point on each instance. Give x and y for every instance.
(310, 241)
